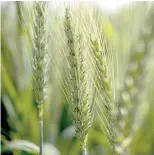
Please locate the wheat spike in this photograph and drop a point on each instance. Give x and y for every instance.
(39, 63)
(81, 107)
(39, 55)
(104, 89)
(101, 69)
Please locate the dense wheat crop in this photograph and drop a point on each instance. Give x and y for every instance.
(77, 78)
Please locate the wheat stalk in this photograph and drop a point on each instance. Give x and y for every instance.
(39, 63)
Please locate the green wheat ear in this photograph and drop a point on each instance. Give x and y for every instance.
(39, 55)
(40, 63)
(101, 69)
(104, 92)
(81, 108)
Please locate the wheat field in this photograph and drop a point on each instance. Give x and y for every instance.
(77, 78)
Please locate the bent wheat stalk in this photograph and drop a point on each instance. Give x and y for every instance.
(39, 63)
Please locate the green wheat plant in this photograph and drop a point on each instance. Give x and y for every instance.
(103, 86)
(104, 77)
(102, 72)
(102, 56)
(40, 63)
(81, 107)
(77, 79)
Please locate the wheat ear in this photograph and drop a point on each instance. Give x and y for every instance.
(104, 90)
(81, 109)
(39, 63)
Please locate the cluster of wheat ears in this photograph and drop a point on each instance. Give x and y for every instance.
(101, 81)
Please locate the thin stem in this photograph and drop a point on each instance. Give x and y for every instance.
(84, 151)
(41, 129)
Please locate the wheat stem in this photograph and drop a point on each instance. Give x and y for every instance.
(84, 151)
(41, 128)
